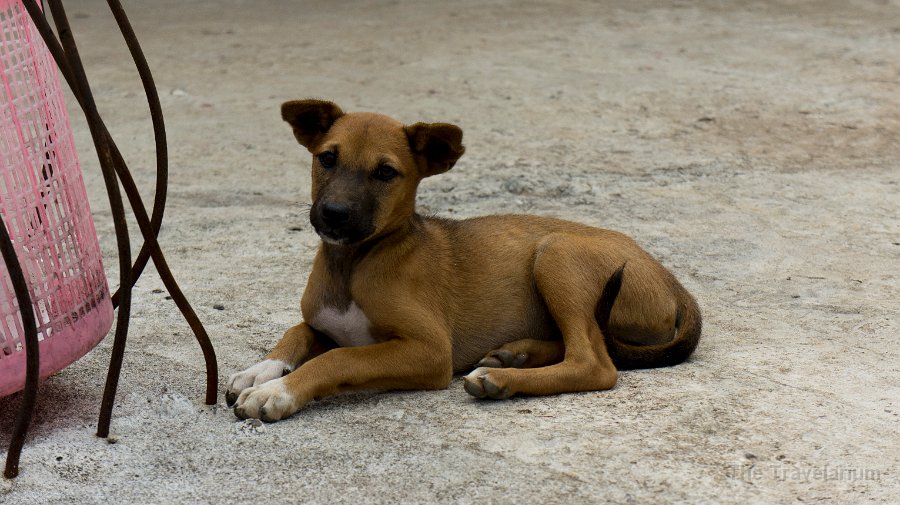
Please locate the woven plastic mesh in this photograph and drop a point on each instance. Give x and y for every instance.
(45, 208)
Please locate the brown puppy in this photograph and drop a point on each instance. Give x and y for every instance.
(396, 300)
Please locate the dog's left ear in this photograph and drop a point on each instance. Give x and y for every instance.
(436, 146)
(310, 119)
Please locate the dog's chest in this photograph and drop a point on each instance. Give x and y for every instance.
(348, 328)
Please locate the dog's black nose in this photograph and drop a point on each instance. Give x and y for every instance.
(335, 214)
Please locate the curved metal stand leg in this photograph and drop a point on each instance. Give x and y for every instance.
(159, 135)
(112, 165)
(102, 141)
(66, 56)
(32, 353)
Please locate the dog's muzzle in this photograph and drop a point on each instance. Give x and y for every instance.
(338, 223)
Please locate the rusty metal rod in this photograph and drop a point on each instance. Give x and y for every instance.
(32, 353)
(117, 207)
(149, 226)
(108, 154)
(159, 132)
(159, 135)
(149, 231)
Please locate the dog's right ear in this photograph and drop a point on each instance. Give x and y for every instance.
(310, 119)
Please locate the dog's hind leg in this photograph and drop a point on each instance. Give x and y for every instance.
(570, 273)
(573, 373)
(525, 353)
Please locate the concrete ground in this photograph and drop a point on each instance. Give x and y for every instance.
(751, 146)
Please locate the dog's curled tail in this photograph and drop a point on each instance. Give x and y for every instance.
(688, 326)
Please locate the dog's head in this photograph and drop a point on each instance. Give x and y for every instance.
(366, 167)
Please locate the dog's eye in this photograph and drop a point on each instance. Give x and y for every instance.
(327, 159)
(385, 173)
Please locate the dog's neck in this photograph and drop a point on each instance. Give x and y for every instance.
(341, 260)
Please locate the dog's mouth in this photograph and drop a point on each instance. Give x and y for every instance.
(330, 237)
(343, 236)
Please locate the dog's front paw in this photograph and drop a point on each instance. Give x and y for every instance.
(485, 383)
(256, 375)
(268, 402)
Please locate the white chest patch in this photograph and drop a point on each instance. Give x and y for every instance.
(348, 329)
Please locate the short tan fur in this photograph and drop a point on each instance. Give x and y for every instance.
(541, 306)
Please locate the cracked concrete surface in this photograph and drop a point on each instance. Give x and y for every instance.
(752, 147)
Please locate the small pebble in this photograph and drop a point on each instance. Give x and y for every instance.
(112, 440)
(219, 306)
(157, 290)
(252, 426)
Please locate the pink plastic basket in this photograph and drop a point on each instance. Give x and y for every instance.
(45, 208)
